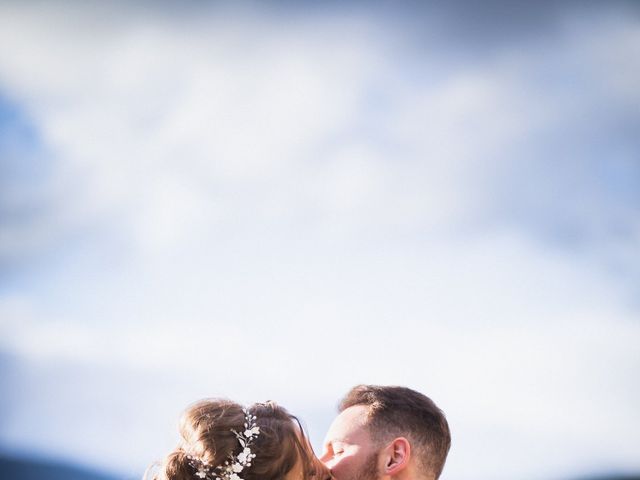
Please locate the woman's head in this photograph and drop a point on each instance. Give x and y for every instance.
(207, 428)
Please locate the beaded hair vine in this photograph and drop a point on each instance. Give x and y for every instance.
(235, 463)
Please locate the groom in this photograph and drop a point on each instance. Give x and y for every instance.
(387, 433)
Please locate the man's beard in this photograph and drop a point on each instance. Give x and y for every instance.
(369, 469)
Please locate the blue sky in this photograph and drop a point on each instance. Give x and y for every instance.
(283, 202)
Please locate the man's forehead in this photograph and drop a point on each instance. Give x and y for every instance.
(350, 423)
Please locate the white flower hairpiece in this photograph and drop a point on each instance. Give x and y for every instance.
(236, 463)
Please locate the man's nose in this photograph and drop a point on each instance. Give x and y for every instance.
(328, 461)
(325, 457)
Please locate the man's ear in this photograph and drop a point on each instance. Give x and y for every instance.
(396, 456)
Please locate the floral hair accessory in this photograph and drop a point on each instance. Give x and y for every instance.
(236, 463)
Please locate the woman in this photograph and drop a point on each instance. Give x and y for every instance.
(223, 441)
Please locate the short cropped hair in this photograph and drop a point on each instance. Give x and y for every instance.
(400, 411)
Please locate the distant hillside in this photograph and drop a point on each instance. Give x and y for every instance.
(613, 477)
(12, 468)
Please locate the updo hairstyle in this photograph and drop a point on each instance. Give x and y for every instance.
(206, 430)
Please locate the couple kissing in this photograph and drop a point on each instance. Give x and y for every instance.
(380, 433)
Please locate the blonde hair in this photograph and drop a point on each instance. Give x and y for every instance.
(206, 430)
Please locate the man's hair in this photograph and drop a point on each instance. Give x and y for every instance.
(400, 411)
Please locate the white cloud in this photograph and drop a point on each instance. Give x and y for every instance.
(289, 210)
(526, 365)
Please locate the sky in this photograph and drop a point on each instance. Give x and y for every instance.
(280, 200)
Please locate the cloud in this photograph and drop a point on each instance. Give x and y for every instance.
(173, 112)
(515, 366)
(258, 204)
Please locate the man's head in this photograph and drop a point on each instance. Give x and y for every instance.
(387, 432)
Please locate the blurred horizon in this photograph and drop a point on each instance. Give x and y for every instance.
(34, 467)
(282, 200)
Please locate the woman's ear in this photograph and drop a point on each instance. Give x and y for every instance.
(396, 456)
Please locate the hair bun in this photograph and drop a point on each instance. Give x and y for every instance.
(176, 466)
(211, 431)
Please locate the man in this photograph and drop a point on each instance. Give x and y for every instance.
(387, 433)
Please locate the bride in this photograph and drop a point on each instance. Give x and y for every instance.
(222, 441)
